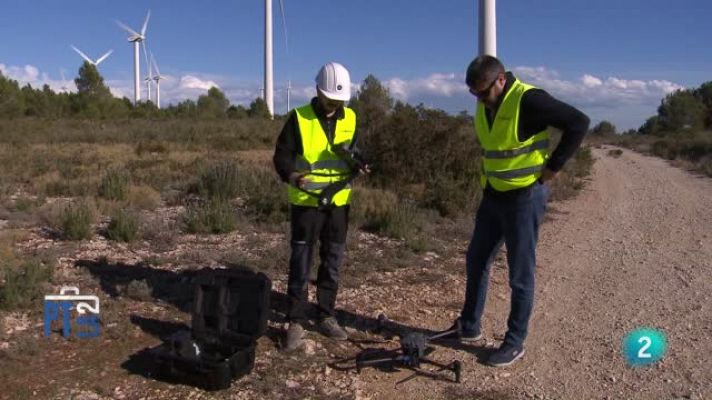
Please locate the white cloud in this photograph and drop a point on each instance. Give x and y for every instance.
(436, 84)
(193, 82)
(591, 81)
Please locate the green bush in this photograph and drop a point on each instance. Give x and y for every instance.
(24, 285)
(123, 227)
(382, 212)
(264, 195)
(114, 185)
(76, 221)
(215, 216)
(151, 148)
(220, 180)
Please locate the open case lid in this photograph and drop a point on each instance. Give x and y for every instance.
(231, 304)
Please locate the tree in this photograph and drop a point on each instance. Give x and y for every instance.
(237, 112)
(91, 83)
(258, 109)
(651, 126)
(12, 103)
(214, 104)
(682, 110)
(93, 98)
(704, 93)
(372, 102)
(604, 128)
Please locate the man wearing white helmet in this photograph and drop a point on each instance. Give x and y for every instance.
(306, 159)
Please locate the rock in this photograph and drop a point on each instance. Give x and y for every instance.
(291, 384)
(309, 347)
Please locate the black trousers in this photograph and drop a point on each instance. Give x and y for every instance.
(328, 226)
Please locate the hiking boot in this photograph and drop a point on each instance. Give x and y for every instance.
(505, 355)
(464, 335)
(331, 328)
(295, 334)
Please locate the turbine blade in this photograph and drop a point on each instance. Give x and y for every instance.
(84, 56)
(102, 58)
(145, 23)
(127, 28)
(145, 56)
(284, 24)
(155, 65)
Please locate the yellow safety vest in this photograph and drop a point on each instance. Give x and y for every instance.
(509, 164)
(321, 166)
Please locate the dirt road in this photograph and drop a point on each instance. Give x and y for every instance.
(634, 249)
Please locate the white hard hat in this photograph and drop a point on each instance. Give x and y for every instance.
(334, 82)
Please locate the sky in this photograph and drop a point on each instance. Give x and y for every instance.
(614, 60)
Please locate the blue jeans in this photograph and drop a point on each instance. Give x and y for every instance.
(514, 221)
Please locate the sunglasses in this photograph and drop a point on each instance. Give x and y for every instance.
(484, 92)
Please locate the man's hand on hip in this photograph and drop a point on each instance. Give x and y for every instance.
(547, 175)
(298, 180)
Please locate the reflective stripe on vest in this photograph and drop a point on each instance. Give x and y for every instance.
(514, 173)
(302, 165)
(320, 165)
(509, 164)
(314, 186)
(541, 145)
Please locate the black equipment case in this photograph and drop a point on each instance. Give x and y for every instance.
(230, 310)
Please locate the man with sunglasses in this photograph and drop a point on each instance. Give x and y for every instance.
(308, 157)
(511, 124)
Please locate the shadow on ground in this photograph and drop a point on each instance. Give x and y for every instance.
(176, 288)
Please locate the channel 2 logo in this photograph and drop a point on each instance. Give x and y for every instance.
(644, 346)
(87, 308)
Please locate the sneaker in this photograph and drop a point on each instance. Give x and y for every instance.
(331, 328)
(463, 335)
(505, 355)
(295, 334)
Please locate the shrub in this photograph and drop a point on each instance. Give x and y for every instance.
(215, 216)
(76, 221)
(219, 180)
(139, 290)
(143, 197)
(381, 211)
(24, 285)
(615, 153)
(265, 196)
(114, 185)
(123, 227)
(151, 148)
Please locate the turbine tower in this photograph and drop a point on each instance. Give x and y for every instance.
(157, 77)
(487, 28)
(89, 60)
(269, 75)
(269, 89)
(149, 78)
(136, 38)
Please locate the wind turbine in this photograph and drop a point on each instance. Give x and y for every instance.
(89, 60)
(157, 78)
(149, 78)
(488, 28)
(136, 38)
(269, 75)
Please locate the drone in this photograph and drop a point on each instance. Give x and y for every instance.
(414, 349)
